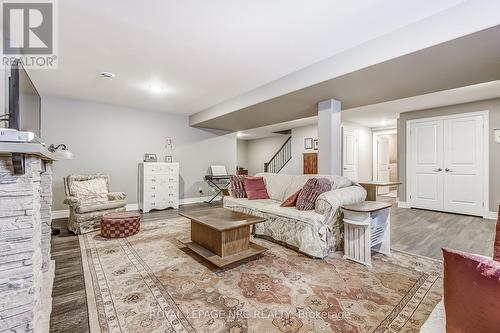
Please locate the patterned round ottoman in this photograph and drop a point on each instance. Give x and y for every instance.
(120, 224)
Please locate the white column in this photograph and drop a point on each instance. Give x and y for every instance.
(329, 138)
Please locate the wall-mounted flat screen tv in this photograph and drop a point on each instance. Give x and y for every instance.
(25, 104)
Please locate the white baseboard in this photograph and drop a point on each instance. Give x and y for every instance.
(403, 204)
(491, 216)
(59, 214)
(187, 201)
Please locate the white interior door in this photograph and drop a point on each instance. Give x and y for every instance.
(426, 164)
(350, 155)
(446, 159)
(463, 165)
(383, 163)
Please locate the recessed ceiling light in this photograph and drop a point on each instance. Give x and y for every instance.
(239, 134)
(384, 122)
(107, 75)
(156, 88)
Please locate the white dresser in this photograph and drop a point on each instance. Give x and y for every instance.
(158, 185)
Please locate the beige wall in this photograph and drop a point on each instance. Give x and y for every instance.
(242, 153)
(365, 150)
(493, 106)
(260, 151)
(113, 140)
(295, 166)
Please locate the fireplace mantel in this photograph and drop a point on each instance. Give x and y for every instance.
(32, 148)
(18, 150)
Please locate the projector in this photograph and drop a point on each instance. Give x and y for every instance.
(12, 135)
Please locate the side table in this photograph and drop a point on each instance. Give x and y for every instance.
(371, 188)
(367, 227)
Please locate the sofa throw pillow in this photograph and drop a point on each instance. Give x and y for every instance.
(237, 186)
(471, 292)
(255, 188)
(311, 191)
(496, 246)
(291, 201)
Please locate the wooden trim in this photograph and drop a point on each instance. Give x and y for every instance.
(18, 163)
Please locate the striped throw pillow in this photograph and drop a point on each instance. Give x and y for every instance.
(311, 191)
(237, 186)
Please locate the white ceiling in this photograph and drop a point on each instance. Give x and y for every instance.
(386, 114)
(205, 52)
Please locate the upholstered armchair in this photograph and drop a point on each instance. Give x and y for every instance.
(88, 198)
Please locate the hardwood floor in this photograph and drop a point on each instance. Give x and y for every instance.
(412, 230)
(69, 303)
(425, 232)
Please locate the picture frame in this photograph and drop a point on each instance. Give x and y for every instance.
(308, 143)
(168, 159)
(149, 157)
(315, 144)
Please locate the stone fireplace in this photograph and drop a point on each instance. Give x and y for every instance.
(26, 270)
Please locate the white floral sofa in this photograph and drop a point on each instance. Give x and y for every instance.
(314, 232)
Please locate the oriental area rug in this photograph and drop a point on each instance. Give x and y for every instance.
(150, 282)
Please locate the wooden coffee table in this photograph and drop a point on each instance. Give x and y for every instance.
(222, 236)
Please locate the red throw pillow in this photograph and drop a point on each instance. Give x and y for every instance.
(471, 292)
(311, 191)
(291, 200)
(496, 246)
(255, 188)
(237, 185)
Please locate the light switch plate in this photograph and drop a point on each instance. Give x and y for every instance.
(497, 135)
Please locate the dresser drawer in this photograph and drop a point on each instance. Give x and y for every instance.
(161, 178)
(161, 204)
(161, 193)
(152, 168)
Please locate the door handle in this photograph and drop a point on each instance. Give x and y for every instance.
(448, 170)
(437, 170)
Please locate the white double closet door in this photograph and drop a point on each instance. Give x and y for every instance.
(446, 170)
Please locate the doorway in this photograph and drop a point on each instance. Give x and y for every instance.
(385, 158)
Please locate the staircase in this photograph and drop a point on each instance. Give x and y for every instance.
(281, 158)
